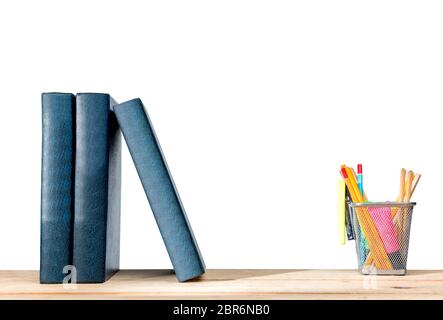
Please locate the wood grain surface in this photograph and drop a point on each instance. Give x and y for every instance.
(232, 284)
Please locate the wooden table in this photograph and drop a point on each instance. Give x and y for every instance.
(233, 284)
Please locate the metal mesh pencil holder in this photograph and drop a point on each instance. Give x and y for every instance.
(381, 231)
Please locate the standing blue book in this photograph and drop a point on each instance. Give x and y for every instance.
(96, 253)
(160, 189)
(57, 185)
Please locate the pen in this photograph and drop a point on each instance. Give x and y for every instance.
(360, 178)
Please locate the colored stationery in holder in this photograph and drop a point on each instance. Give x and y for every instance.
(381, 259)
(384, 226)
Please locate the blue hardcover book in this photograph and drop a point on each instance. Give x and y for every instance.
(160, 189)
(96, 253)
(57, 185)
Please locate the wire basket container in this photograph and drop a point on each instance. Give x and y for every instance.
(381, 231)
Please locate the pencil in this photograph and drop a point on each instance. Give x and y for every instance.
(402, 184)
(415, 182)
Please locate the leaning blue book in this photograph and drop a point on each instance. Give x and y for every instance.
(160, 189)
(57, 185)
(96, 240)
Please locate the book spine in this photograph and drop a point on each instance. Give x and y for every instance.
(97, 189)
(57, 185)
(160, 190)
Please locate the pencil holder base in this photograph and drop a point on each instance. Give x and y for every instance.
(371, 271)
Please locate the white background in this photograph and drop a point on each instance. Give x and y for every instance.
(256, 105)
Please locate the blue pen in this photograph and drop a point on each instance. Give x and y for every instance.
(360, 178)
(362, 241)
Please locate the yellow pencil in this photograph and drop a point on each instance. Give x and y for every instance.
(354, 185)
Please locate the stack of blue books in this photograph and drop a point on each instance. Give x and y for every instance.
(81, 188)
